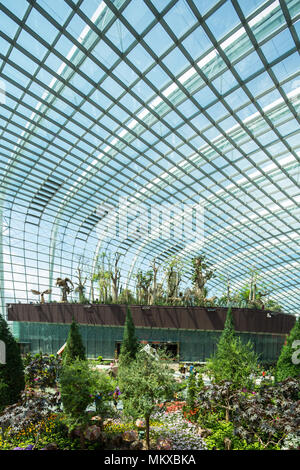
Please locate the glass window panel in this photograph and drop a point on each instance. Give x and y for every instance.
(217, 111)
(61, 11)
(8, 26)
(105, 54)
(187, 108)
(223, 20)
(206, 6)
(180, 18)
(23, 61)
(237, 98)
(260, 84)
(297, 28)
(197, 43)
(286, 67)
(204, 96)
(158, 77)
(125, 73)
(139, 14)
(248, 6)
(140, 58)
(249, 65)
(158, 40)
(37, 22)
(278, 45)
(225, 82)
(120, 36)
(269, 98)
(176, 62)
(143, 91)
(112, 87)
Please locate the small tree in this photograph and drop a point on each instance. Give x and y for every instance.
(233, 360)
(130, 344)
(79, 384)
(12, 381)
(288, 364)
(74, 347)
(144, 383)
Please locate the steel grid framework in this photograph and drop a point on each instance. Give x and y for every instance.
(112, 111)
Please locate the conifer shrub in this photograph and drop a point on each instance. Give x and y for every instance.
(233, 361)
(130, 344)
(74, 347)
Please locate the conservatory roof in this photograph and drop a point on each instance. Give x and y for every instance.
(150, 128)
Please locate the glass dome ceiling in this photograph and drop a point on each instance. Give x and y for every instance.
(149, 128)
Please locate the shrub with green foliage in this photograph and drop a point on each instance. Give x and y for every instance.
(12, 381)
(261, 419)
(78, 384)
(145, 382)
(233, 360)
(74, 346)
(288, 364)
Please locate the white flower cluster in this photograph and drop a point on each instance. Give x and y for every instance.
(182, 434)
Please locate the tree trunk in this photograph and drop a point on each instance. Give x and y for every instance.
(147, 421)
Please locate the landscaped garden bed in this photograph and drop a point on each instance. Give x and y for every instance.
(230, 403)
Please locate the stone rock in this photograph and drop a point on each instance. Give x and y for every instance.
(116, 440)
(136, 445)
(92, 433)
(204, 432)
(227, 443)
(130, 436)
(163, 444)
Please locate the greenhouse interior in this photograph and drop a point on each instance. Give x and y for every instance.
(149, 211)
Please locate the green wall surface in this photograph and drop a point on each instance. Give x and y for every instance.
(194, 345)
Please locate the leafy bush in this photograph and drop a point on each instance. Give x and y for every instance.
(291, 442)
(4, 395)
(144, 382)
(11, 373)
(270, 415)
(286, 366)
(262, 418)
(78, 385)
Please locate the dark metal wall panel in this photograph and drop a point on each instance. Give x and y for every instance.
(190, 318)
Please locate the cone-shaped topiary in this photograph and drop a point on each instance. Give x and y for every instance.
(288, 364)
(130, 344)
(74, 347)
(12, 381)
